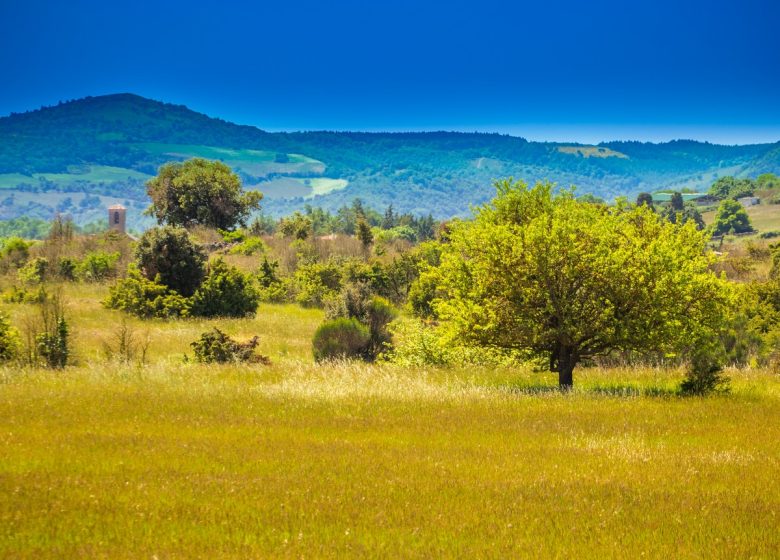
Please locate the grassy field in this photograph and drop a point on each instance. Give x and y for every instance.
(591, 151)
(177, 459)
(90, 174)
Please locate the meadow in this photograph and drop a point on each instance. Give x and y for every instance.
(177, 459)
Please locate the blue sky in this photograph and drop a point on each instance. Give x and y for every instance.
(572, 70)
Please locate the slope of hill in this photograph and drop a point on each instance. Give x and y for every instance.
(78, 156)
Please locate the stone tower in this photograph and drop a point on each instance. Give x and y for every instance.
(117, 215)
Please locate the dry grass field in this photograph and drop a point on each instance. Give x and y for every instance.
(176, 459)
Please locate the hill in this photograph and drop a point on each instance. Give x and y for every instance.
(81, 155)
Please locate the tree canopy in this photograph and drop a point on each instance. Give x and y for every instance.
(200, 192)
(564, 281)
(731, 217)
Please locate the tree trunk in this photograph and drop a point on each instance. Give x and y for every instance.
(566, 363)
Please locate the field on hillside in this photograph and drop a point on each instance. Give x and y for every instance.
(176, 459)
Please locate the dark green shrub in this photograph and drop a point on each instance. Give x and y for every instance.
(139, 296)
(271, 288)
(97, 266)
(169, 253)
(705, 375)
(355, 301)
(340, 338)
(67, 268)
(214, 346)
(226, 292)
(731, 217)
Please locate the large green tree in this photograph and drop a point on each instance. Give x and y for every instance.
(200, 192)
(564, 280)
(731, 217)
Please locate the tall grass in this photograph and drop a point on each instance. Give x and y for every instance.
(178, 459)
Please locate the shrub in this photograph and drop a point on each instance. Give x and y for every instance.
(340, 338)
(271, 288)
(731, 217)
(226, 292)
(169, 253)
(316, 282)
(422, 293)
(35, 271)
(249, 247)
(16, 250)
(355, 301)
(97, 266)
(52, 344)
(67, 268)
(9, 340)
(25, 295)
(139, 296)
(705, 375)
(214, 346)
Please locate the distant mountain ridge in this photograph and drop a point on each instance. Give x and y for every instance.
(80, 155)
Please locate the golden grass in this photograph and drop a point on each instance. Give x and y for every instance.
(295, 459)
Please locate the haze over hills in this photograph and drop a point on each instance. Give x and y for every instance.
(81, 155)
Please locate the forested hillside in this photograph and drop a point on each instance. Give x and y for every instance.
(79, 156)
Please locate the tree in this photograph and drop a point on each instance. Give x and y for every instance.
(167, 255)
(676, 203)
(565, 281)
(364, 233)
(731, 217)
(200, 192)
(731, 187)
(645, 199)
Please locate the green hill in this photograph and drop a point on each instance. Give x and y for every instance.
(77, 156)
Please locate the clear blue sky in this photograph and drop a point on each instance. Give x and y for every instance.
(577, 70)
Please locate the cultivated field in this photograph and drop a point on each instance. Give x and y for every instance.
(177, 459)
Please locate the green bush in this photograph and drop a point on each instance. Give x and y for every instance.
(214, 346)
(139, 296)
(67, 268)
(16, 251)
(169, 253)
(226, 292)
(97, 266)
(705, 375)
(731, 218)
(52, 345)
(10, 342)
(314, 283)
(250, 246)
(340, 338)
(35, 271)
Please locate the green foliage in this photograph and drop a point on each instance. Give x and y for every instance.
(565, 281)
(16, 251)
(645, 199)
(226, 292)
(67, 268)
(314, 283)
(24, 227)
(35, 271)
(10, 342)
(705, 373)
(731, 187)
(356, 301)
(270, 286)
(168, 255)
(96, 266)
(215, 346)
(364, 233)
(731, 217)
(679, 212)
(249, 246)
(339, 339)
(200, 192)
(137, 295)
(52, 345)
(767, 181)
(296, 226)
